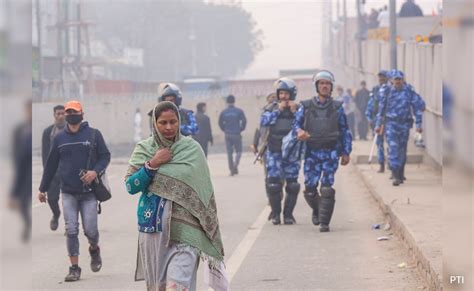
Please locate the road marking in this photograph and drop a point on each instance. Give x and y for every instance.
(242, 250)
(38, 205)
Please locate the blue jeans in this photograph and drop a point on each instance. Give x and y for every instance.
(86, 205)
(233, 142)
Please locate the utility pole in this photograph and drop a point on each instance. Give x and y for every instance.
(344, 39)
(359, 35)
(79, 74)
(393, 35)
(40, 52)
(192, 38)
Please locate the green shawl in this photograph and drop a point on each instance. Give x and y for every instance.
(185, 181)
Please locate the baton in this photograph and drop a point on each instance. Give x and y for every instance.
(373, 148)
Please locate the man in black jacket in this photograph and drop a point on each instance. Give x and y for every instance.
(69, 157)
(204, 135)
(48, 135)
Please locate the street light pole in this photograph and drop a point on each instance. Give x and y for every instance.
(40, 52)
(344, 43)
(393, 35)
(359, 35)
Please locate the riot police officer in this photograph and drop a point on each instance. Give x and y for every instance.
(322, 123)
(399, 103)
(371, 114)
(279, 119)
(171, 92)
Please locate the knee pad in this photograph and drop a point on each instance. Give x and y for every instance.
(292, 188)
(311, 191)
(273, 186)
(328, 192)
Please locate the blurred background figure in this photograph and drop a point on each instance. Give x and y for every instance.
(361, 101)
(350, 110)
(373, 19)
(137, 126)
(261, 131)
(410, 9)
(20, 194)
(339, 96)
(383, 17)
(204, 135)
(48, 135)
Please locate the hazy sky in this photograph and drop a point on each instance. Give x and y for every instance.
(292, 31)
(291, 36)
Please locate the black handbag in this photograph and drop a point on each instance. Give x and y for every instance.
(100, 185)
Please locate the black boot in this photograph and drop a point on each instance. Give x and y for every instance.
(328, 201)
(396, 177)
(292, 189)
(274, 189)
(311, 196)
(402, 173)
(382, 168)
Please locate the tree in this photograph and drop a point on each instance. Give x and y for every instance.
(180, 38)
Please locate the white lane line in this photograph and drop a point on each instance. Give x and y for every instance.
(37, 205)
(240, 253)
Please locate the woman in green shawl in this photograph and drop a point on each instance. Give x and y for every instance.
(177, 215)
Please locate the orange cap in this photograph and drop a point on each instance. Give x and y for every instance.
(74, 105)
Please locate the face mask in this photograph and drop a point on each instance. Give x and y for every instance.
(73, 119)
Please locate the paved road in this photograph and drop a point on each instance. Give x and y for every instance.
(259, 256)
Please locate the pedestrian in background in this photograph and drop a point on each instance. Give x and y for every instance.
(384, 17)
(137, 122)
(261, 131)
(410, 9)
(204, 135)
(48, 135)
(232, 122)
(20, 193)
(350, 110)
(361, 100)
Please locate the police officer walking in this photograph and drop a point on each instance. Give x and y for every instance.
(371, 114)
(279, 118)
(322, 123)
(171, 92)
(399, 103)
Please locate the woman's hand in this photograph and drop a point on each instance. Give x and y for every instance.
(162, 156)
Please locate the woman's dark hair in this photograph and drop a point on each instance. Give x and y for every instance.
(200, 106)
(167, 106)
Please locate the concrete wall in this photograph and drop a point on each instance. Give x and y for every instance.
(422, 64)
(114, 115)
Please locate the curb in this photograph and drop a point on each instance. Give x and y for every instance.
(423, 265)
